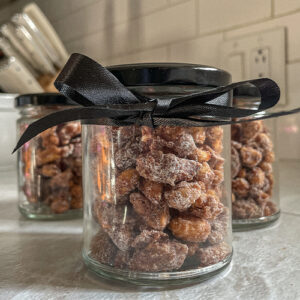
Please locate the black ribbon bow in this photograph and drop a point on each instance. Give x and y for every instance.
(107, 101)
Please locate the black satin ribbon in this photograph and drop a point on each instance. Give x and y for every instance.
(107, 101)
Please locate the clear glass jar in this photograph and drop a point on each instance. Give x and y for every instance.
(255, 188)
(49, 165)
(157, 202)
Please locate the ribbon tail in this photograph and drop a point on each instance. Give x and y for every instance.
(68, 115)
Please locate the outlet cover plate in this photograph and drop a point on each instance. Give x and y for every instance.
(272, 43)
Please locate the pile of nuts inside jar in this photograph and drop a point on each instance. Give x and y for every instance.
(162, 209)
(252, 156)
(57, 181)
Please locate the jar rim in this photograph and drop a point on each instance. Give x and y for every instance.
(170, 73)
(43, 99)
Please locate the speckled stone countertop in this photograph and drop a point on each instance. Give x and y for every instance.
(42, 260)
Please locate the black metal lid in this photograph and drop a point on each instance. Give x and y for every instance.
(169, 73)
(42, 99)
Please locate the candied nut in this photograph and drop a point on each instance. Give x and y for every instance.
(213, 254)
(256, 177)
(185, 146)
(189, 228)
(122, 259)
(60, 206)
(202, 155)
(110, 216)
(209, 209)
(152, 190)
(126, 182)
(236, 132)
(125, 157)
(198, 134)
(235, 162)
(102, 249)
(146, 138)
(219, 177)
(67, 150)
(49, 137)
(214, 133)
(126, 134)
(266, 167)
(219, 228)
(193, 247)
(240, 186)
(250, 156)
(166, 168)
(159, 256)
(216, 161)
(269, 208)
(76, 193)
(246, 209)
(61, 180)
(236, 145)
(148, 236)
(251, 129)
(269, 156)
(69, 131)
(242, 173)
(169, 133)
(156, 216)
(122, 235)
(183, 195)
(50, 170)
(205, 173)
(264, 141)
(258, 195)
(50, 154)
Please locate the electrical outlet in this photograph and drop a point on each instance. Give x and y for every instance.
(261, 54)
(260, 63)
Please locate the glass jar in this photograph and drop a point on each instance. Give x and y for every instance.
(157, 202)
(255, 188)
(49, 166)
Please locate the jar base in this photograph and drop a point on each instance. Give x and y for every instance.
(42, 214)
(157, 280)
(251, 224)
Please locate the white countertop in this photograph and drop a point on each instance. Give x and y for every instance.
(42, 260)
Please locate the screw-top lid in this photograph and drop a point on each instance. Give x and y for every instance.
(170, 73)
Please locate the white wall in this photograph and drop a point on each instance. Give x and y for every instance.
(124, 31)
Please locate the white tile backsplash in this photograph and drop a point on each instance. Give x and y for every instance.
(217, 15)
(285, 6)
(127, 31)
(203, 50)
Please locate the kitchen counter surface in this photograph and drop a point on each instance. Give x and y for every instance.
(42, 260)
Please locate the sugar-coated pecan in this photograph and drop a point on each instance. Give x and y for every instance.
(126, 182)
(246, 209)
(250, 156)
(102, 248)
(251, 129)
(189, 228)
(166, 168)
(241, 187)
(213, 254)
(69, 131)
(156, 216)
(152, 190)
(183, 195)
(205, 173)
(256, 177)
(159, 256)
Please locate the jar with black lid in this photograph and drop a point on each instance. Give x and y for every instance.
(49, 166)
(157, 201)
(255, 177)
